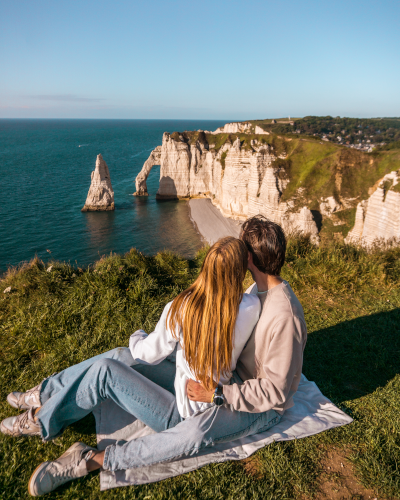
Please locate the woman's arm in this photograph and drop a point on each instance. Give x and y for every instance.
(152, 349)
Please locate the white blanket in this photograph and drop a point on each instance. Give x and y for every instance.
(312, 413)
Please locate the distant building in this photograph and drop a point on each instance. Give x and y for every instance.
(273, 121)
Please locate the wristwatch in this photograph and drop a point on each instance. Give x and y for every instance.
(218, 396)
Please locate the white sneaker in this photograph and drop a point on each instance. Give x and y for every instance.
(71, 465)
(21, 425)
(25, 400)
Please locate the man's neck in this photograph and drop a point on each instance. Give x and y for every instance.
(266, 282)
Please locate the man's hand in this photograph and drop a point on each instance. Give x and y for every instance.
(196, 392)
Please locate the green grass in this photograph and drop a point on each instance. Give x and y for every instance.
(351, 299)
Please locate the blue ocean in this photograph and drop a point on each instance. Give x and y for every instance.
(45, 168)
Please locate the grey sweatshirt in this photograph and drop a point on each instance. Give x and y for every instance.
(270, 364)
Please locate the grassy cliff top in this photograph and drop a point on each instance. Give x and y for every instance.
(53, 318)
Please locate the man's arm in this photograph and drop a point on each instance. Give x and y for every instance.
(281, 363)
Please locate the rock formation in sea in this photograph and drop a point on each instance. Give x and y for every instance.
(140, 181)
(378, 218)
(101, 195)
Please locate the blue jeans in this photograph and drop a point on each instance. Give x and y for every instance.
(142, 390)
(146, 392)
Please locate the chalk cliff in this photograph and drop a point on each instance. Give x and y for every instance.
(259, 130)
(240, 181)
(303, 184)
(234, 128)
(378, 218)
(101, 194)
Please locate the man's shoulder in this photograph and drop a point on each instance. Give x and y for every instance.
(283, 303)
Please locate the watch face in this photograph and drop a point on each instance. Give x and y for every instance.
(218, 400)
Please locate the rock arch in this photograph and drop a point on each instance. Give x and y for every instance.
(140, 181)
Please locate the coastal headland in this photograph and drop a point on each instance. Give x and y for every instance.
(321, 188)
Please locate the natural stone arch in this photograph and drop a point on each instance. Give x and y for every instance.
(140, 181)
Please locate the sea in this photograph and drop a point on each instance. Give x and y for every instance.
(45, 169)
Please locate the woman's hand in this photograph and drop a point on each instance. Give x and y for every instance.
(196, 392)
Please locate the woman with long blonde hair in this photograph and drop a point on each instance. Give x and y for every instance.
(209, 324)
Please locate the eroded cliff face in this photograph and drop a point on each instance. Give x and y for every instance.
(101, 194)
(303, 184)
(234, 128)
(241, 182)
(378, 218)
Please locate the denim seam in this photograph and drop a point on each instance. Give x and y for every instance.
(136, 399)
(247, 428)
(191, 449)
(106, 458)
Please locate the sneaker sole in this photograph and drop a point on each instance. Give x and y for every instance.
(40, 466)
(33, 477)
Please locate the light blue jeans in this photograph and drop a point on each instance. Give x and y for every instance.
(148, 393)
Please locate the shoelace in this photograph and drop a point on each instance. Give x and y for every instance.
(30, 395)
(23, 421)
(65, 474)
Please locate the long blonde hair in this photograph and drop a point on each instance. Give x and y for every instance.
(206, 312)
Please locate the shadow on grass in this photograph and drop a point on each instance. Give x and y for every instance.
(353, 358)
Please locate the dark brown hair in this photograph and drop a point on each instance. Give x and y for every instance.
(266, 241)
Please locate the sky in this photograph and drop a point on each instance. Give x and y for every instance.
(220, 59)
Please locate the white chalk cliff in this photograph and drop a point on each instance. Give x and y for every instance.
(378, 218)
(259, 130)
(241, 182)
(101, 194)
(234, 128)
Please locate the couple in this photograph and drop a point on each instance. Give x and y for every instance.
(238, 364)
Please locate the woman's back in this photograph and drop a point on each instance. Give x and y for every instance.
(211, 321)
(247, 318)
(153, 348)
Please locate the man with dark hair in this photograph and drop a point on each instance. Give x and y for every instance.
(270, 365)
(266, 242)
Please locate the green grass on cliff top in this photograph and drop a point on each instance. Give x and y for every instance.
(51, 320)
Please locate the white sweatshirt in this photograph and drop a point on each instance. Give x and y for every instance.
(152, 349)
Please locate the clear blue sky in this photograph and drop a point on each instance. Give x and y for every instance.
(199, 59)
